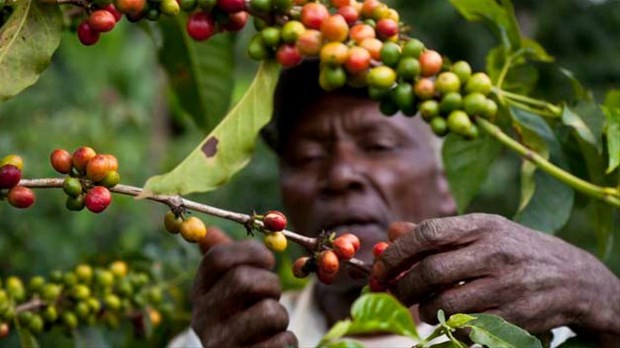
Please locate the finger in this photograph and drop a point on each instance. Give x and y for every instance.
(440, 271)
(214, 237)
(223, 257)
(282, 340)
(399, 229)
(476, 296)
(260, 322)
(429, 237)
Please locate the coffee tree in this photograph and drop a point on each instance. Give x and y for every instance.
(360, 44)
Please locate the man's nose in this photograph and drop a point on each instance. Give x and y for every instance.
(343, 172)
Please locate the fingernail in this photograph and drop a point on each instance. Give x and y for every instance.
(378, 270)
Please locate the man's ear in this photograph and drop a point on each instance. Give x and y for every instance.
(447, 204)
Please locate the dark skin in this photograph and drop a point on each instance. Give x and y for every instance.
(348, 168)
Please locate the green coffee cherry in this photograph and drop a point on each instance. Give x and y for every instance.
(292, 30)
(333, 78)
(72, 186)
(80, 292)
(15, 288)
(36, 324)
(382, 77)
(450, 102)
(112, 178)
(479, 82)
(262, 6)
(459, 122)
(56, 276)
(25, 318)
(84, 273)
(104, 278)
(413, 48)
(463, 70)
(207, 5)
(170, 7)
(402, 95)
(409, 68)
(378, 94)
(429, 109)
(188, 5)
(390, 54)
(447, 82)
(490, 109)
(388, 107)
(94, 305)
(70, 320)
(439, 126)
(75, 203)
(155, 295)
(82, 310)
(36, 283)
(271, 36)
(69, 279)
(112, 302)
(475, 103)
(256, 48)
(50, 292)
(50, 314)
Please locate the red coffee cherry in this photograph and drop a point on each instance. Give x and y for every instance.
(310, 43)
(326, 278)
(353, 239)
(236, 21)
(98, 199)
(110, 8)
(97, 168)
(300, 269)
(102, 21)
(274, 221)
(5, 330)
(61, 161)
(288, 55)
(87, 35)
(430, 63)
(335, 28)
(387, 28)
(112, 161)
(231, 6)
(350, 14)
(375, 285)
(379, 248)
(369, 6)
(313, 15)
(361, 32)
(201, 26)
(82, 156)
(21, 197)
(10, 176)
(130, 6)
(340, 3)
(328, 262)
(424, 88)
(343, 248)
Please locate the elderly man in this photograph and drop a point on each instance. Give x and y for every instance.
(346, 167)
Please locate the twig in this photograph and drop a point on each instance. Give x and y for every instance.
(174, 202)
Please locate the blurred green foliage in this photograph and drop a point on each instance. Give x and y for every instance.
(114, 97)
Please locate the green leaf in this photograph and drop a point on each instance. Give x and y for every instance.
(229, 147)
(612, 132)
(612, 99)
(381, 313)
(534, 51)
(342, 344)
(28, 40)
(199, 72)
(573, 120)
(447, 344)
(549, 207)
(500, 18)
(493, 331)
(339, 329)
(459, 320)
(581, 93)
(26, 338)
(495, 61)
(467, 163)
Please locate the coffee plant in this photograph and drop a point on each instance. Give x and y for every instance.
(362, 44)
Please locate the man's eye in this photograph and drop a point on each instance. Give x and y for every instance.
(380, 147)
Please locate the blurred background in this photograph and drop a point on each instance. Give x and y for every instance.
(114, 97)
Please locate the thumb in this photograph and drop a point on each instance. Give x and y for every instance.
(399, 229)
(214, 237)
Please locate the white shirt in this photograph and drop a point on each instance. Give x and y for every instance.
(308, 323)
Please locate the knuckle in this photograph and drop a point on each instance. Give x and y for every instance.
(260, 251)
(428, 232)
(275, 313)
(432, 268)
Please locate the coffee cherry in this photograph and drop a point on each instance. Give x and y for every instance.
(130, 6)
(299, 267)
(358, 60)
(50, 314)
(388, 107)
(373, 46)
(256, 48)
(381, 77)
(313, 15)
(236, 21)
(379, 248)
(188, 5)
(231, 6)
(84, 273)
(75, 203)
(326, 278)
(36, 324)
(24, 318)
(201, 26)
(413, 48)
(193, 230)
(475, 103)
(430, 63)
(97, 168)
(350, 14)
(439, 126)
(271, 36)
(429, 109)
(462, 69)
(80, 292)
(94, 305)
(10, 176)
(61, 161)
(331, 78)
(13, 160)
(36, 284)
(479, 82)
(50, 292)
(87, 35)
(490, 109)
(21, 197)
(274, 221)
(472, 132)
(111, 179)
(70, 320)
(69, 279)
(459, 122)
(377, 94)
(98, 199)
(5, 330)
(291, 31)
(386, 28)
(335, 28)
(110, 8)
(275, 241)
(343, 248)
(310, 43)
(424, 88)
(81, 157)
(375, 285)
(119, 269)
(355, 241)
(207, 5)
(172, 223)
(101, 21)
(408, 68)
(447, 82)
(283, 6)
(135, 17)
(81, 310)
(328, 262)
(334, 53)
(170, 7)
(402, 95)
(361, 32)
(154, 317)
(104, 278)
(262, 6)
(368, 7)
(450, 102)
(390, 54)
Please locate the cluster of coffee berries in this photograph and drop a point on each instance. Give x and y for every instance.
(101, 18)
(191, 228)
(326, 262)
(83, 296)
(208, 17)
(274, 223)
(89, 176)
(10, 175)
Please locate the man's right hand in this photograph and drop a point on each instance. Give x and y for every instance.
(235, 297)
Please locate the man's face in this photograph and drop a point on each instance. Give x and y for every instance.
(346, 167)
